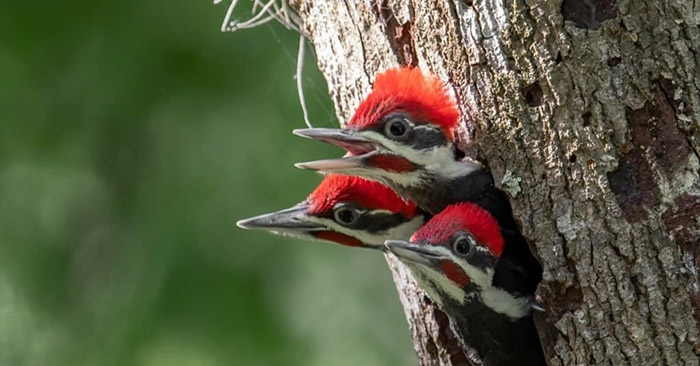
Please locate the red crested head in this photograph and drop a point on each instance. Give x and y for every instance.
(371, 195)
(462, 217)
(407, 89)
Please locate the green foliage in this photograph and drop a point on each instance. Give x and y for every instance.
(134, 135)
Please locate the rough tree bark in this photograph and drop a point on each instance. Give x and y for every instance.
(587, 113)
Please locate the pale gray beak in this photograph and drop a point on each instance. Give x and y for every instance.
(349, 140)
(288, 220)
(416, 253)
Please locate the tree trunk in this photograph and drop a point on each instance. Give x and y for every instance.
(586, 112)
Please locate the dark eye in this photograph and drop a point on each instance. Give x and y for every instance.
(396, 127)
(463, 246)
(345, 216)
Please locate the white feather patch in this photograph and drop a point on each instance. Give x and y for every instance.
(502, 302)
(438, 160)
(400, 232)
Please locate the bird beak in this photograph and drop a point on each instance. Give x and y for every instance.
(358, 147)
(293, 221)
(348, 140)
(331, 165)
(366, 156)
(415, 253)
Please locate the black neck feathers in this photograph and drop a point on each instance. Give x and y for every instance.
(499, 340)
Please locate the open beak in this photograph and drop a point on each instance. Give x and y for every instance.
(293, 221)
(349, 140)
(359, 148)
(416, 253)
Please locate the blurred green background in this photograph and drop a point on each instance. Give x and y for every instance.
(134, 135)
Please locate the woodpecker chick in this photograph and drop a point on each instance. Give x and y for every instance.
(345, 210)
(454, 257)
(402, 135)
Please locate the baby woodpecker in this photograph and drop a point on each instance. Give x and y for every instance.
(454, 258)
(345, 210)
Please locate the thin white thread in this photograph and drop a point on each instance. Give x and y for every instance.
(300, 84)
(262, 13)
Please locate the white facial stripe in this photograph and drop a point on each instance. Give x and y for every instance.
(438, 160)
(405, 179)
(495, 298)
(427, 127)
(430, 279)
(416, 156)
(400, 232)
(442, 162)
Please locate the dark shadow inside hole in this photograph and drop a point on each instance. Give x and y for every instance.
(533, 95)
(559, 59)
(614, 61)
(586, 119)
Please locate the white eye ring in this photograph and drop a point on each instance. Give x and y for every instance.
(396, 127)
(345, 215)
(464, 246)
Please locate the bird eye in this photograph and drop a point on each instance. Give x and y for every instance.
(396, 127)
(463, 246)
(345, 216)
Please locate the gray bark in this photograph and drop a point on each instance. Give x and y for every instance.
(587, 113)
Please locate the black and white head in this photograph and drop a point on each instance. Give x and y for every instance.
(454, 258)
(345, 210)
(401, 134)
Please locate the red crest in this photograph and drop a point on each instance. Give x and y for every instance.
(424, 97)
(371, 195)
(462, 216)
